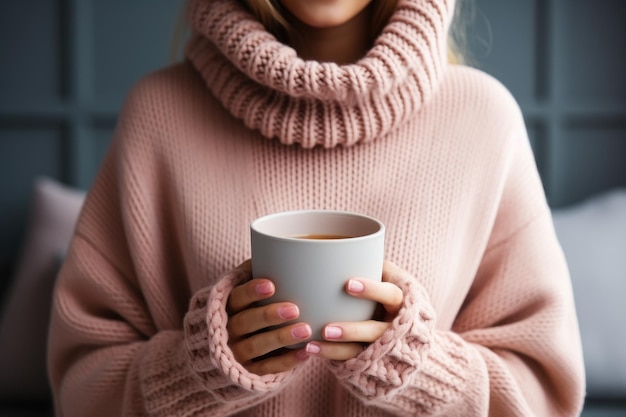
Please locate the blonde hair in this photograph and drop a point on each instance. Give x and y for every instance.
(270, 14)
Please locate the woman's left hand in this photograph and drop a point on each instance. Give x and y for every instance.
(345, 340)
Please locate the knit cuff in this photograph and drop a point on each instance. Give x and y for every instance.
(452, 380)
(412, 368)
(388, 364)
(210, 356)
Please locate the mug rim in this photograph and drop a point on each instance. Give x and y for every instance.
(256, 225)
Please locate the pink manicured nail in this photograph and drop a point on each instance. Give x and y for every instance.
(313, 348)
(301, 332)
(265, 288)
(355, 286)
(288, 312)
(332, 332)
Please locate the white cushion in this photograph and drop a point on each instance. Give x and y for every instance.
(593, 237)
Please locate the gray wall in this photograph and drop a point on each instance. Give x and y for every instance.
(565, 62)
(66, 66)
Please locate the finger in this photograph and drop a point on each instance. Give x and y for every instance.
(248, 293)
(263, 343)
(257, 318)
(392, 272)
(279, 363)
(360, 331)
(386, 293)
(334, 351)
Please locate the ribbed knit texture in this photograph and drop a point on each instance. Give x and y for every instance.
(487, 324)
(264, 83)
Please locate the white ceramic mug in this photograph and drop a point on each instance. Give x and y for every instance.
(311, 254)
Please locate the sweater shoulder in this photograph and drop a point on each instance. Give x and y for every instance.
(475, 80)
(162, 88)
(162, 105)
(482, 108)
(481, 94)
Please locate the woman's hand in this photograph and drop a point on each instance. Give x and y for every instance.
(346, 340)
(259, 349)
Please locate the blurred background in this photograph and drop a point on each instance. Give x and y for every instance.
(66, 66)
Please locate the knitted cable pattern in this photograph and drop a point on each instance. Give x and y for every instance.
(262, 81)
(206, 339)
(388, 364)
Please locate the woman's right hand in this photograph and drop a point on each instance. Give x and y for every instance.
(256, 344)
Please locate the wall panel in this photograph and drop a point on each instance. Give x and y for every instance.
(595, 51)
(564, 61)
(591, 156)
(130, 39)
(31, 54)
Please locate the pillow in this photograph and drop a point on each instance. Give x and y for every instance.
(593, 237)
(24, 320)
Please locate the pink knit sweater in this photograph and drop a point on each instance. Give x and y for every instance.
(245, 128)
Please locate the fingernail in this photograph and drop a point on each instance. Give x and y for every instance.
(355, 286)
(265, 288)
(301, 332)
(313, 348)
(288, 312)
(333, 332)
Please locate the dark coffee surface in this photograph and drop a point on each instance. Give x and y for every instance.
(323, 236)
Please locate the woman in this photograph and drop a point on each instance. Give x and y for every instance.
(347, 105)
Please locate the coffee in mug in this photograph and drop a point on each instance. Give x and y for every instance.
(311, 254)
(323, 237)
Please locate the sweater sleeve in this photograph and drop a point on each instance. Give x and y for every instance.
(107, 357)
(514, 348)
(413, 369)
(206, 341)
(129, 336)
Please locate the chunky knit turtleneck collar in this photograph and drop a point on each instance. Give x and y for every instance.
(264, 83)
